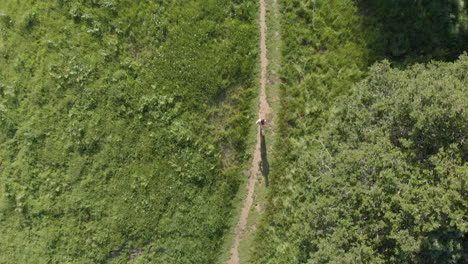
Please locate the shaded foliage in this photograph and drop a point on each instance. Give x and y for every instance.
(384, 181)
(371, 162)
(418, 31)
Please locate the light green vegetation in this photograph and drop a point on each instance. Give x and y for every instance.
(123, 127)
(267, 147)
(370, 164)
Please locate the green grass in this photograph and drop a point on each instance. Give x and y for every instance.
(238, 201)
(273, 94)
(246, 245)
(274, 44)
(116, 119)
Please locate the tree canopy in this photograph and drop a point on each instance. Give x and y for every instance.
(370, 165)
(384, 181)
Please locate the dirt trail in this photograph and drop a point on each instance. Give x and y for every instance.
(264, 113)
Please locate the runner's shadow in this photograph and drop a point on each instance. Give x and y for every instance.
(265, 169)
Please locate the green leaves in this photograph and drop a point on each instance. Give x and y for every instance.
(418, 31)
(381, 181)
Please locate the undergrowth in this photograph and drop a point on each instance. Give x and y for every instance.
(111, 145)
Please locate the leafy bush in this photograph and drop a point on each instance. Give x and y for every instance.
(371, 163)
(382, 182)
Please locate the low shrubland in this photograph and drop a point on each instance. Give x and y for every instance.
(116, 117)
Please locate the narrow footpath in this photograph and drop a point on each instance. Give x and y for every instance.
(263, 113)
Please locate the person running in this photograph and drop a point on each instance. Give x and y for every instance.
(261, 122)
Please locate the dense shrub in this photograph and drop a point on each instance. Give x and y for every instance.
(370, 165)
(383, 181)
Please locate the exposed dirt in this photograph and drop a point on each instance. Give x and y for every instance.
(264, 113)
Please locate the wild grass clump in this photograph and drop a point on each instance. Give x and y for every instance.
(110, 151)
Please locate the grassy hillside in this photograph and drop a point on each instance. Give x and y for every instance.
(371, 162)
(122, 128)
